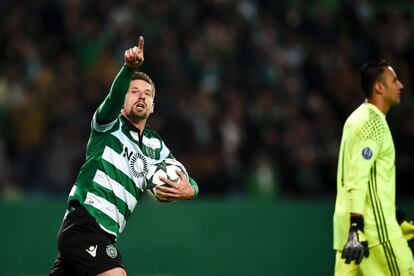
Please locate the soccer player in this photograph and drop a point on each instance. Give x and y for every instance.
(367, 237)
(119, 151)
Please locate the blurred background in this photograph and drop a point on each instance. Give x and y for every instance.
(251, 96)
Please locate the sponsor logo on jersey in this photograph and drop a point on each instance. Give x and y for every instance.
(137, 163)
(139, 166)
(367, 153)
(111, 251)
(92, 250)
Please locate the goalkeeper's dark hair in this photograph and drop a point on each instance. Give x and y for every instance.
(142, 76)
(370, 73)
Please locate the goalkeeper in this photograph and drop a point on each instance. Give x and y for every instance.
(368, 239)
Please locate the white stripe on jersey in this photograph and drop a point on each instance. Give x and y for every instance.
(105, 181)
(102, 128)
(107, 208)
(151, 142)
(120, 163)
(164, 152)
(125, 141)
(72, 191)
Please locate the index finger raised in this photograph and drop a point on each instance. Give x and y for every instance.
(141, 42)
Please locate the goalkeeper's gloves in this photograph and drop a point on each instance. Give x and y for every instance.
(407, 228)
(356, 248)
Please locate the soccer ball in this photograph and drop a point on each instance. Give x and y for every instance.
(164, 168)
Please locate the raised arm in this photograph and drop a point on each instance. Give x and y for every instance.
(112, 105)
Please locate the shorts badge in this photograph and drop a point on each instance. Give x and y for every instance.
(111, 251)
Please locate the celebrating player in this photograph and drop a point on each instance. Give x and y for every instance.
(367, 237)
(119, 151)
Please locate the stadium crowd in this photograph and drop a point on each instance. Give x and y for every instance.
(251, 95)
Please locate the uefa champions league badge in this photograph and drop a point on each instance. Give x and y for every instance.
(367, 153)
(111, 251)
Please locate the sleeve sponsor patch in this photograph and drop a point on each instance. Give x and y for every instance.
(367, 153)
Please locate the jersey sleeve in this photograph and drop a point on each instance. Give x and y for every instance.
(107, 113)
(195, 186)
(165, 151)
(101, 127)
(365, 142)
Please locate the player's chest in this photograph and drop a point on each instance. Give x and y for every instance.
(136, 154)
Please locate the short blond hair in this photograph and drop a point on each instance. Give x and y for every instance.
(142, 76)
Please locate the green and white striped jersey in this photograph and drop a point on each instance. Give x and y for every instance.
(112, 178)
(366, 178)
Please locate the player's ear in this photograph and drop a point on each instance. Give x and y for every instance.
(379, 87)
(152, 107)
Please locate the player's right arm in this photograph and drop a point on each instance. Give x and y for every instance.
(356, 247)
(364, 145)
(109, 110)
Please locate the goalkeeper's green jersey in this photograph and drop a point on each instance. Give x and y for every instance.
(112, 178)
(366, 178)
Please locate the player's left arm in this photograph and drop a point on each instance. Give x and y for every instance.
(190, 180)
(184, 189)
(407, 228)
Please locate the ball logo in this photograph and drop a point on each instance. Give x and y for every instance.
(367, 153)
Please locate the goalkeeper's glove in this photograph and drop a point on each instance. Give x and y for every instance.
(356, 248)
(407, 228)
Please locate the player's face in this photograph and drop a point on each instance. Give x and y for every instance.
(139, 101)
(393, 87)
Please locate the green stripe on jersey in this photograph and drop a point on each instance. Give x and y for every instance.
(127, 182)
(381, 223)
(378, 221)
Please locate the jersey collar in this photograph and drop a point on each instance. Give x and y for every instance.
(132, 131)
(130, 125)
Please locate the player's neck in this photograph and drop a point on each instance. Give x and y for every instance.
(138, 124)
(383, 106)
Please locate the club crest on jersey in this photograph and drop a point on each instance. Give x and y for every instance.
(367, 153)
(137, 163)
(150, 152)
